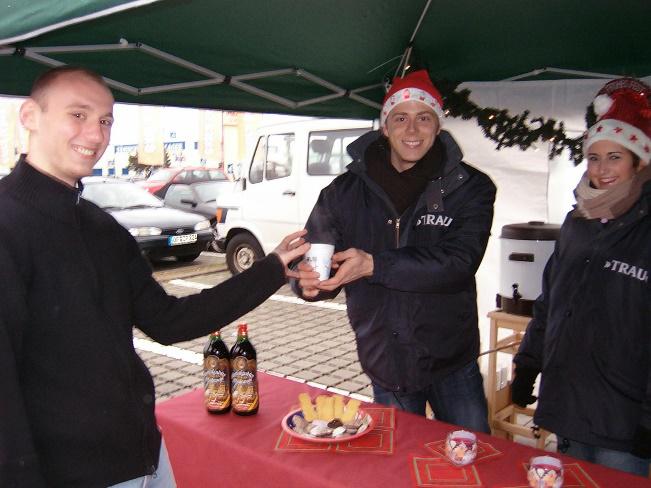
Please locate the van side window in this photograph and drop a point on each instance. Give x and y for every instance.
(280, 148)
(327, 153)
(257, 165)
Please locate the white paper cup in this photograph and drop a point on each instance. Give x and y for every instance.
(461, 447)
(320, 257)
(545, 472)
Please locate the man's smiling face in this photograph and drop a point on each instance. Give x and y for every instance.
(70, 126)
(411, 128)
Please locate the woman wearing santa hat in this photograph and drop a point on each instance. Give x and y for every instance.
(590, 335)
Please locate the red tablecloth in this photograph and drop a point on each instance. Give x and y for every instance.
(228, 450)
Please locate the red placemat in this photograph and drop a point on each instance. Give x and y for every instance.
(484, 450)
(574, 476)
(286, 442)
(384, 417)
(378, 441)
(436, 472)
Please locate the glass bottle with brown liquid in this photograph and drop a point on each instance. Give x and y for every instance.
(244, 379)
(216, 375)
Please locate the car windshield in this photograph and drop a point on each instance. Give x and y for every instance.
(119, 196)
(162, 174)
(207, 192)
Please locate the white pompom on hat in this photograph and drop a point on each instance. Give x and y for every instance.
(416, 86)
(623, 116)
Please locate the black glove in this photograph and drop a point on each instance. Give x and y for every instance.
(522, 386)
(642, 442)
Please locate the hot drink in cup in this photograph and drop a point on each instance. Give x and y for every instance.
(319, 256)
(545, 472)
(461, 447)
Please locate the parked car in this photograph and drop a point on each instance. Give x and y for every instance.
(200, 198)
(160, 180)
(160, 231)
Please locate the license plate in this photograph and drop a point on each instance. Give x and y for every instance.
(182, 239)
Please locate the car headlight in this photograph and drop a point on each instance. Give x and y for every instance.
(204, 224)
(145, 231)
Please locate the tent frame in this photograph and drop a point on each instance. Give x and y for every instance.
(42, 55)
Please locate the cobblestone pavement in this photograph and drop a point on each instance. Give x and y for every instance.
(312, 342)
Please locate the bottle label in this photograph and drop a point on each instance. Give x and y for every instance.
(217, 395)
(244, 384)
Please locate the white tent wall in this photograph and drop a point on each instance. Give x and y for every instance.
(529, 185)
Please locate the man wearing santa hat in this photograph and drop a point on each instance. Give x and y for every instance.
(591, 331)
(410, 222)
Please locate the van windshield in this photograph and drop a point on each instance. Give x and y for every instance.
(327, 153)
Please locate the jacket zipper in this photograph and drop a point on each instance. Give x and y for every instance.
(398, 232)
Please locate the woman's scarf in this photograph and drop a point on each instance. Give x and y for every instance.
(609, 203)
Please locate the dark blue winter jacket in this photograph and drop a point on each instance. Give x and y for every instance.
(591, 331)
(416, 318)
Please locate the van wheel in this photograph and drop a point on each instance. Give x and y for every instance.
(241, 252)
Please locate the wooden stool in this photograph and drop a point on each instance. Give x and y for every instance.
(501, 412)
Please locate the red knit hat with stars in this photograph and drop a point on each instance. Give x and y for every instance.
(416, 86)
(624, 116)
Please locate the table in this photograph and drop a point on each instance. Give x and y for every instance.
(228, 450)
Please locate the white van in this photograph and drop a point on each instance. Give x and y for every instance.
(289, 166)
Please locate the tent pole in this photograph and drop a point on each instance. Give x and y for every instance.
(170, 58)
(585, 74)
(404, 62)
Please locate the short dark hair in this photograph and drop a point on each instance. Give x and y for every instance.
(45, 79)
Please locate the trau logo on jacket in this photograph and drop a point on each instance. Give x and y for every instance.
(434, 220)
(627, 269)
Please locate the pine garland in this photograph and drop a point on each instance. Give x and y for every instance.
(513, 130)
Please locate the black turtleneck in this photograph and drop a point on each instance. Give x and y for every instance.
(403, 188)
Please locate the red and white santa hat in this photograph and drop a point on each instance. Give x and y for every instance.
(415, 86)
(623, 116)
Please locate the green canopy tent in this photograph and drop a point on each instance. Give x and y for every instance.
(314, 57)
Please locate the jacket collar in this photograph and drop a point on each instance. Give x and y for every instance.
(44, 193)
(454, 174)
